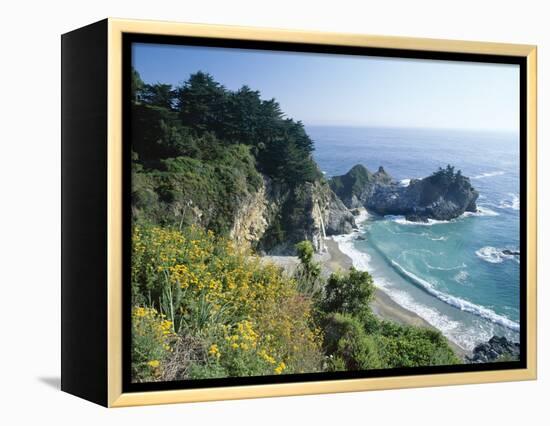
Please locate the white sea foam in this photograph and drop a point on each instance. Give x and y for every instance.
(404, 182)
(493, 255)
(440, 268)
(362, 216)
(513, 203)
(452, 329)
(431, 315)
(488, 174)
(360, 260)
(458, 302)
(402, 221)
(482, 210)
(461, 277)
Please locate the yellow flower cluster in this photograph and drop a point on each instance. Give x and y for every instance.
(266, 357)
(259, 311)
(149, 322)
(214, 351)
(244, 336)
(280, 368)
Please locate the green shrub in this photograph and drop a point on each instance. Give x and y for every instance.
(347, 342)
(308, 273)
(407, 346)
(183, 186)
(350, 293)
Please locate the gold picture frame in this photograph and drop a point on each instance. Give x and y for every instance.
(111, 32)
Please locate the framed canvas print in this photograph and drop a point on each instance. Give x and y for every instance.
(250, 212)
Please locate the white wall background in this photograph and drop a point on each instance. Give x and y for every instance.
(30, 200)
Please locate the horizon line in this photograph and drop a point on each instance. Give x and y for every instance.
(410, 127)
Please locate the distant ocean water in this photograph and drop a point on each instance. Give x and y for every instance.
(453, 274)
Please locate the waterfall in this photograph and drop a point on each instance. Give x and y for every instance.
(323, 248)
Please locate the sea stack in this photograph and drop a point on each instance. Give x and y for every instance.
(443, 195)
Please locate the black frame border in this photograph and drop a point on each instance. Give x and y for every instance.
(130, 38)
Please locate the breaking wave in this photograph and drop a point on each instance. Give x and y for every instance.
(457, 302)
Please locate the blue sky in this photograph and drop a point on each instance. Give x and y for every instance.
(349, 90)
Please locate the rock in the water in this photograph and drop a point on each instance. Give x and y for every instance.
(356, 186)
(416, 218)
(444, 195)
(496, 349)
(340, 220)
(510, 252)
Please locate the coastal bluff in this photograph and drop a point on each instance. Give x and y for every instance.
(444, 195)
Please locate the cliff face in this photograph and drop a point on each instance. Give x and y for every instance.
(339, 219)
(443, 196)
(309, 211)
(251, 218)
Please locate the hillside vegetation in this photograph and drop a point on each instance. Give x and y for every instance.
(201, 150)
(205, 306)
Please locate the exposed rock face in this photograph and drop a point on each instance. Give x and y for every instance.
(355, 187)
(496, 349)
(250, 221)
(307, 212)
(444, 195)
(339, 219)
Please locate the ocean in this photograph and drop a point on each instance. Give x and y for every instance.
(451, 273)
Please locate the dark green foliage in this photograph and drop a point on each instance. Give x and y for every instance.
(308, 272)
(199, 151)
(137, 85)
(183, 186)
(200, 147)
(348, 345)
(355, 339)
(157, 133)
(305, 252)
(445, 183)
(406, 346)
(201, 103)
(352, 183)
(348, 294)
(159, 95)
(286, 154)
(446, 177)
(167, 122)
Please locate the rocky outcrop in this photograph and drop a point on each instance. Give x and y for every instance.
(339, 219)
(251, 220)
(357, 186)
(496, 349)
(310, 211)
(444, 195)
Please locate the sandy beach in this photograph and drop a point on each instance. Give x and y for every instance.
(333, 260)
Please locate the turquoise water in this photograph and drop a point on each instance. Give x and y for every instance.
(453, 274)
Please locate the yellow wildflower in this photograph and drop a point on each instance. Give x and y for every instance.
(214, 351)
(280, 368)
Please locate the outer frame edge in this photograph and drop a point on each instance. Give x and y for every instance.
(116, 398)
